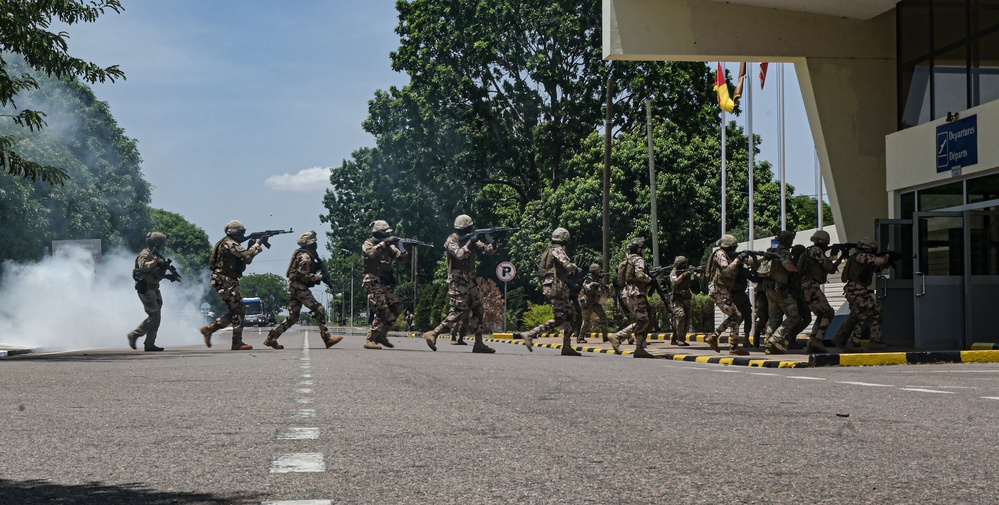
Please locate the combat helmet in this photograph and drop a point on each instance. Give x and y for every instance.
(680, 260)
(785, 237)
(235, 229)
(307, 239)
(820, 236)
(728, 242)
(636, 244)
(867, 245)
(380, 227)
(155, 239)
(463, 222)
(560, 235)
(594, 268)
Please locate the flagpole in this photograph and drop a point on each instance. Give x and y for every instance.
(752, 154)
(818, 190)
(782, 162)
(724, 182)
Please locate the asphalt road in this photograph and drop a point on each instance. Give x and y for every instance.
(406, 425)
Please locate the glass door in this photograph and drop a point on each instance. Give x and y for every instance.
(894, 285)
(983, 277)
(938, 278)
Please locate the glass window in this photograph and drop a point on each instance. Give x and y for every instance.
(983, 189)
(913, 31)
(985, 68)
(950, 82)
(950, 24)
(916, 90)
(941, 197)
(908, 201)
(985, 15)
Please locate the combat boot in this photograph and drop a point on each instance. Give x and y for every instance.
(815, 345)
(640, 351)
(792, 343)
(383, 340)
(712, 341)
(774, 346)
(877, 345)
(331, 341)
(132, 339)
(371, 345)
(528, 340)
(205, 332)
(481, 347)
(735, 350)
(580, 339)
(615, 342)
(431, 338)
(271, 341)
(149, 345)
(238, 345)
(567, 349)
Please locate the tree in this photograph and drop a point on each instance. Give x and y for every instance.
(186, 243)
(24, 30)
(272, 289)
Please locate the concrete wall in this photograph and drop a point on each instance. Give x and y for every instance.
(845, 67)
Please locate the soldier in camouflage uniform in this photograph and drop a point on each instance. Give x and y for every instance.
(228, 261)
(815, 267)
(459, 329)
(554, 269)
(378, 253)
(150, 269)
(859, 272)
(634, 276)
(589, 304)
(795, 287)
(462, 290)
(780, 300)
(740, 297)
(722, 271)
(679, 300)
(303, 273)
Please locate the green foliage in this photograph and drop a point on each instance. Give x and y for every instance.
(25, 31)
(270, 288)
(702, 317)
(537, 314)
(187, 244)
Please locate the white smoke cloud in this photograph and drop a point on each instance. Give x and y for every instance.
(309, 180)
(66, 301)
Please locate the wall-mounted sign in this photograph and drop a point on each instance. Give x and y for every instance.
(957, 144)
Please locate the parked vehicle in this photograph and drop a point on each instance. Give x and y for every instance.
(256, 315)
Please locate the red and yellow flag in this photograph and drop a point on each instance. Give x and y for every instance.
(763, 74)
(721, 87)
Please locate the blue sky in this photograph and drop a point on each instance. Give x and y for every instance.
(240, 106)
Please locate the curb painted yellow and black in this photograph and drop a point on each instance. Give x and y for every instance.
(903, 358)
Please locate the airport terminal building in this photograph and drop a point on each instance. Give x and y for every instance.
(902, 99)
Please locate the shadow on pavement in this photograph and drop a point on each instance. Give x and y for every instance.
(116, 355)
(34, 492)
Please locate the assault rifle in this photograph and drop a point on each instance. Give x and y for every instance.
(263, 237)
(486, 234)
(324, 272)
(756, 255)
(401, 242)
(843, 248)
(173, 275)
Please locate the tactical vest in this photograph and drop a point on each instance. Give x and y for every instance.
(778, 273)
(467, 264)
(379, 263)
(719, 275)
(855, 271)
(625, 272)
(293, 274)
(812, 269)
(546, 266)
(228, 264)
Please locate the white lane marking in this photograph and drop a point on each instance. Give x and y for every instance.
(802, 377)
(303, 400)
(299, 502)
(303, 391)
(725, 370)
(303, 413)
(306, 383)
(298, 462)
(990, 397)
(306, 376)
(922, 390)
(865, 384)
(299, 434)
(764, 373)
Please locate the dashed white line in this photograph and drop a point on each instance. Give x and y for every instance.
(802, 377)
(990, 397)
(303, 413)
(299, 434)
(764, 373)
(303, 391)
(306, 382)
(298, 462)
(865, 384)
(303, 400)
(922, 390)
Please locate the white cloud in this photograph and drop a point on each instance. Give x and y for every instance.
(309, 180)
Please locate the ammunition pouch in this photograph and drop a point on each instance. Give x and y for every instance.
(141, 286)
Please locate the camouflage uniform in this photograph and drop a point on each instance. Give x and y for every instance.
(679, 300)
(636, 282)
(149, 270)
(780, 300)
(865, 312)
(761, 312)
(228, 262)
(463, 292)
(589, 304)
(740, 297)
(815, 269)
(555, 268)
(303, 273)
(723, 268)
(378, 257)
